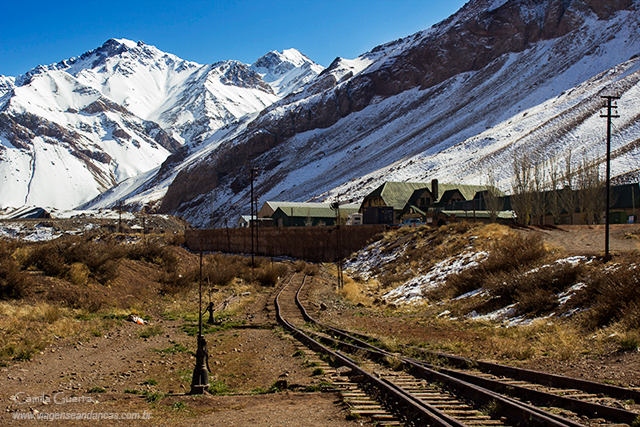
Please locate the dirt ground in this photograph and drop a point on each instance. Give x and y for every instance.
(122, 374)
(144, 371)
(590, 239)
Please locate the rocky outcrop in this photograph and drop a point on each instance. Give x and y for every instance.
(21, 129)
(234, 73)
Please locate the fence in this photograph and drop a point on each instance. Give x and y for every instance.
(314, 244)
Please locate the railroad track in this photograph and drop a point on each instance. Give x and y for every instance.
(411, 391)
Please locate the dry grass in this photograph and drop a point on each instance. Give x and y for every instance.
(354, 292)
(29, 328)
(613, 296)
(509, 254)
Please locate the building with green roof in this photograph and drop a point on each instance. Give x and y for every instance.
(297, 214)
(418, 199)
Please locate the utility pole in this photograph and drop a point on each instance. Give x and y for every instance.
(212, 211)
(610, 114)
(253, 171)
(336, 206)
(226, 224)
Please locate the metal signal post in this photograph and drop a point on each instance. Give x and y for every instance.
(610, 105)
(200, 379)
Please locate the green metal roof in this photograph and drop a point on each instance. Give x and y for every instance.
(396, 194)
(297, 206)
(308, 210)
(467, 191)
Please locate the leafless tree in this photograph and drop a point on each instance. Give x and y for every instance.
(522, 189)
(568, 197)
(555, 205)
(591, 191)
(494, 202)
(539, 195)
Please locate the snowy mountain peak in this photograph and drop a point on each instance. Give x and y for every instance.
(286, 72)
(277, 63)
(92, 121)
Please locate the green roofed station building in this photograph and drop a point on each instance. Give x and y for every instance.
(397, 201)
(297, 214)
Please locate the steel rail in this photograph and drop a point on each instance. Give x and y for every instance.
(399, 400)
(541, 378)
(541, 397)
(512, 408)
(537, 377)
(581, 406)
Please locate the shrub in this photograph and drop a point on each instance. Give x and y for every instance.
(221, 273)
(77, 273)
(510, 253)
(13, 282)
(270, 276)
(47, 257)
(154, 252)
(174, 282)
(311, 270)
(513, 251)
(613, 296)
(76, 259)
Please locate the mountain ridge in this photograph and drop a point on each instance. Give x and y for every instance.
(407, 75)
(462, 99)
(112, 113)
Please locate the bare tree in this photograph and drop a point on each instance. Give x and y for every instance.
(493, 201)
(539, 195)
(568, 197)
(522, 187)
(591, 191)
(555, 205)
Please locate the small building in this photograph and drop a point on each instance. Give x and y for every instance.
(355, 219)
(244, 221)
(295, 214)
(444, 217)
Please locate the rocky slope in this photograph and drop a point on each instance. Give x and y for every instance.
(497, 80)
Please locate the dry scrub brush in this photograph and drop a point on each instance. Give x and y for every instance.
(509, 254)
(14, 283)
(611, 296)
(425, 246)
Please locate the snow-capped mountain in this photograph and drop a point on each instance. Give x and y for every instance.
(286, 72)
(71, 130)
(498, 80)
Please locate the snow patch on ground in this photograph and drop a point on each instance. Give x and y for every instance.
(372, 258)
(411, 291)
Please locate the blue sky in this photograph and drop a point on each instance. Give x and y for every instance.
(43, 32)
